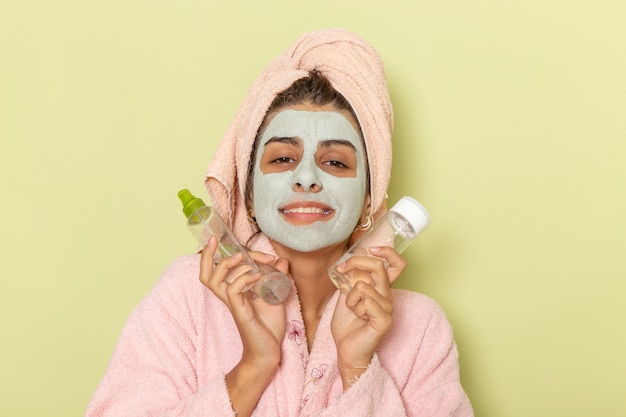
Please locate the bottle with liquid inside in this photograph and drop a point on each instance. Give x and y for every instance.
(397, 228)
(203, 222)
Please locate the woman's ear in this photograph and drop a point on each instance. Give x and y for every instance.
(367, 210)
(365, 220)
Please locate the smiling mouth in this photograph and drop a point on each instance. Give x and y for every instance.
(304, 213)
(306, 210)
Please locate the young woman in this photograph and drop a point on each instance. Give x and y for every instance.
(301, 171)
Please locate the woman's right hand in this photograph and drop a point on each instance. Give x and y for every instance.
(261, 325)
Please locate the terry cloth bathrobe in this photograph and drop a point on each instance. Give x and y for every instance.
(181, 340)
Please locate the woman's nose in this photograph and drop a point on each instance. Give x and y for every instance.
(305, 178)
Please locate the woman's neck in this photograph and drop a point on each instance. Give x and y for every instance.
(309, 271)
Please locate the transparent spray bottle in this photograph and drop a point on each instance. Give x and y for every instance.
(397, 228)
(204, 222)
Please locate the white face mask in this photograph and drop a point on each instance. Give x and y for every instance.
(309, 179)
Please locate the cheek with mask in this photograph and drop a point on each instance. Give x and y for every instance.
(308, 208)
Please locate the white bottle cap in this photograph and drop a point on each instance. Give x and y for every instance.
(412, 211)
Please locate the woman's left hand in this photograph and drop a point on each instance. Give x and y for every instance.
(363, 315)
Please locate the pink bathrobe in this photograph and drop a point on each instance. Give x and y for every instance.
(181, 341)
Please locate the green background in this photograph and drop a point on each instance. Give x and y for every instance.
(510, 129)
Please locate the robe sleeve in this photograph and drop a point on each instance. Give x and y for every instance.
(153, 368)
(432, 387)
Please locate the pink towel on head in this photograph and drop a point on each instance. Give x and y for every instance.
(354, 68)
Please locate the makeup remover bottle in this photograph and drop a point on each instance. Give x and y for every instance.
(397, 228)
(204, 222)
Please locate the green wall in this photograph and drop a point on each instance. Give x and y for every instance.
(510, 128)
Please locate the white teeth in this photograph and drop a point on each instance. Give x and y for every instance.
(308, 210)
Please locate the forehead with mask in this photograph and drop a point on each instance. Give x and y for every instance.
(308, 173)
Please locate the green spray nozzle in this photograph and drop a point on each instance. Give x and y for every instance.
(190, 203)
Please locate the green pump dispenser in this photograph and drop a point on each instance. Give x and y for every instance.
(190, 203)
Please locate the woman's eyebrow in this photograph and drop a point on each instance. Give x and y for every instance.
(336, 142)
(289, 140)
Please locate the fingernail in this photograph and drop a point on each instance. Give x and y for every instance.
(375, 249)
(341, 267)
(237, 255)
(211, 241)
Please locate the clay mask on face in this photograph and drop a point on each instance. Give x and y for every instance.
(330, 205)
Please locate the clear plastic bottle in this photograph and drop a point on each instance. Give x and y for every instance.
(204, 222)
(397, 228)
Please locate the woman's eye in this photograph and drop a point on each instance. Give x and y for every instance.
(283, 160)
(335, 164)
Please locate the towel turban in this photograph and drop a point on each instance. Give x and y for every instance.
(354, 69)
